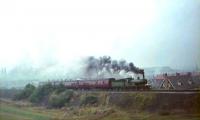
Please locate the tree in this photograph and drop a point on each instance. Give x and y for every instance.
(59, 100)
(26, 92)
(41, 92)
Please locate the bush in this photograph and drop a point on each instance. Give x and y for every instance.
(89, 100)
(41, 92)
(47, 94)
(26, 92)
(59, 100)
(60, 88)
(143, 100)
(137, 101)
(10, 93)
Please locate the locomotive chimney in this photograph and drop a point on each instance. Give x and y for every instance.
(143, 74)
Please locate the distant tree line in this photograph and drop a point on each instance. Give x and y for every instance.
(51, 96)
(47, 95)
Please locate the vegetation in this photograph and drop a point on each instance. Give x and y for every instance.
(59, 100)
(41, 93)
(137, 101)
(46, 94)
(12, 112)
(89, 100)
(26, 92)
(60, 88)
(98, 106)
(9, 93)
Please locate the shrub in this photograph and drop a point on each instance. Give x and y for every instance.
(137, 101)
(41, 92)
(60, 88)
(60, 99)
(143, 100)
(9, 93)
(26, 92)
(89, 100)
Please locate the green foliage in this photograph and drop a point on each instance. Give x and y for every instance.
(138, 101)
(89, 100)
(9, 93)
(60, 99)
(26, 92)
(41, 92)
(143, 100)
(53, 96)
(13, 112)
(60, 88)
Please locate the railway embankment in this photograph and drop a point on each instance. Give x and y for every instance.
(164, 103)
(150, 101)
(105, 105)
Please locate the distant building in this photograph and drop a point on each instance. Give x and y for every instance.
(3, 71)
(177, 81)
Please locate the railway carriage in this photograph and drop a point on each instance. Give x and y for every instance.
(105, 84)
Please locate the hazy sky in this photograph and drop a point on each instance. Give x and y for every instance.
(147, 32)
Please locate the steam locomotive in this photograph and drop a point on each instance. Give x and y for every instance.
(104, 84)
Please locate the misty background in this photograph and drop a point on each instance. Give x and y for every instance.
(47, 39)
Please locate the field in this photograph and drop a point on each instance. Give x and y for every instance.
(13, 111)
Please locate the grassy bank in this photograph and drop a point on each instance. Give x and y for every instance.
(56, 103)
(11, 111)
(8, 112)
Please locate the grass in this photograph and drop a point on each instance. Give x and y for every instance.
(148, 116)
(10, 111)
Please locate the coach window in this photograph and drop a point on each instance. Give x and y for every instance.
(179, 83)
(190, 82)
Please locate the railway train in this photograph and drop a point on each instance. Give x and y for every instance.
(104, 84)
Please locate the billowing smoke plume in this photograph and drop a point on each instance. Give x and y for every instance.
(83, 68)
(104, 67)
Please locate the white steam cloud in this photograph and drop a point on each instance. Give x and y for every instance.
(43, 39)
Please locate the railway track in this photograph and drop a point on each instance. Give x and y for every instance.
(143, 91)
